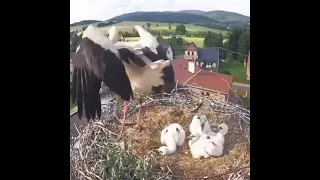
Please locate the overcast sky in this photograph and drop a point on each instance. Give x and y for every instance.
(106, 9)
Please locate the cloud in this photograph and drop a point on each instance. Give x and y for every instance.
(106, 9)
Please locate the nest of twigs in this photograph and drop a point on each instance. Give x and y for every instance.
(95, 154)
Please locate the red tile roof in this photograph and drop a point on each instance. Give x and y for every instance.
(203, 79)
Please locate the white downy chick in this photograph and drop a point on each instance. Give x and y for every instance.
(171, 136)
(199, 126)
(216, 143)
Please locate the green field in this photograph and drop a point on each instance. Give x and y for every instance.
(236, 69)
(246, 102)
(71, 104)
(196, 40)
(129, 25)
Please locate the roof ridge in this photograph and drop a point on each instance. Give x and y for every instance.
(192, 76)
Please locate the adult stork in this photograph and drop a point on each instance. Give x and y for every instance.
(120, 68)
(147, 50)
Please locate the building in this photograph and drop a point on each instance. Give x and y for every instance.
(165, 44)
(206, 83)
(205, 58)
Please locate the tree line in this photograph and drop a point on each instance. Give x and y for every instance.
(238, 40)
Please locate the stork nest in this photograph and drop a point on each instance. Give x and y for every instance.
(96, 155)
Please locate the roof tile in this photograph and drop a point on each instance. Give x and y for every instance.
(205, 79)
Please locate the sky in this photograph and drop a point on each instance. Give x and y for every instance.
(106, 9)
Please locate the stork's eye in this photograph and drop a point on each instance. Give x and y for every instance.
(166, 130)
(177, 130)
(198, 117)
(220, 127)
(208, 137)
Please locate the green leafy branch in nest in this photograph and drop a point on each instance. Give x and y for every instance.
(121, 164)
(94, 155)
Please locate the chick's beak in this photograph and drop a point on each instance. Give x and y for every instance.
(190, 137)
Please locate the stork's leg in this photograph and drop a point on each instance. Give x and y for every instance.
(125, 111)
(139, 113)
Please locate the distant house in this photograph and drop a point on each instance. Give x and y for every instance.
(206, 58)
(165, 44)
(206, 83)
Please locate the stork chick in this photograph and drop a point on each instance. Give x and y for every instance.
(171, 136)
(199, 126)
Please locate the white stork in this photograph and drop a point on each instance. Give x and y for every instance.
(123, 70)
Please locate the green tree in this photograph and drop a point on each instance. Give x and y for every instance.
(148, 25)
(230, 56)
(207, 40)
(234, 40)
(181, 29)
(177, 44)
(157, 25)
(244, 44)
(220, 40)
(169, 27)
(213, 40)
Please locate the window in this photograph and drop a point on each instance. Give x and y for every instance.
(202, 93)
(208, 94)
(192, 53)
(214, 65)
(188, 52)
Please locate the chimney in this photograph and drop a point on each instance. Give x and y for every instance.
(191, 67)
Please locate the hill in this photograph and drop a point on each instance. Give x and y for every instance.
(222, 20)
(222, 16)
(170, 17)
(84, 22)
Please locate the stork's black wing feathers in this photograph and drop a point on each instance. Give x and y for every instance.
(85, 88)
(93, 64)
(169, 77)
(125, 54)
(115, 76)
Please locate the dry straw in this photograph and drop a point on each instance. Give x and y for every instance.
(96, 155)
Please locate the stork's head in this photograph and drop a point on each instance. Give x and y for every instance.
(196, 117)
(192, 139)
(203, 117)
(223, 129)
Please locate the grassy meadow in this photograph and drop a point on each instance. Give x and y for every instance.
(196, 40)
(236, 69)
(129, 25)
